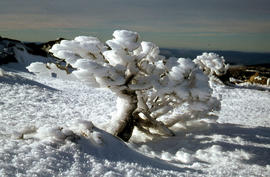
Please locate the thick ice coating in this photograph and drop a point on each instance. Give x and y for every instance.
(127, 39)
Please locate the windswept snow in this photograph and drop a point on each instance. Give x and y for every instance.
(49, 110)
(245, 106)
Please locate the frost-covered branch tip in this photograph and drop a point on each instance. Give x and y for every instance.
(154, 93)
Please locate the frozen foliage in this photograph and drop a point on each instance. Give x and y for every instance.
(150, 88)
(212, 64)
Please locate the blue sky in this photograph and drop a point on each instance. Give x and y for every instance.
(242, 25)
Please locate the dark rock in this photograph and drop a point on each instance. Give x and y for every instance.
(41, 49)
(6, 58)
(48, 45)
(7, 54)
(7, 47)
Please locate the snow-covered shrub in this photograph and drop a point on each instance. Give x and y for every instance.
(154, 93)
(212, 64)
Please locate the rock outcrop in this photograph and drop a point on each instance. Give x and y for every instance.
(8, 49)
(256, 74)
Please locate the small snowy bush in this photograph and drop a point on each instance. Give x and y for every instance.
(212, 64)
(154, 93)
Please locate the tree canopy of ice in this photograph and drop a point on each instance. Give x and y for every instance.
(154, 93)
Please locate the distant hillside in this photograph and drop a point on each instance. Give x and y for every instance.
(13, 50)
(232, 57)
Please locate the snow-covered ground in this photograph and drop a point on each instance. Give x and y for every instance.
(238, 145)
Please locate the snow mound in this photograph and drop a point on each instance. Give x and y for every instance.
(79, 149)
(73, 132)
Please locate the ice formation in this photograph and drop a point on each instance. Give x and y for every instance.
(149, 87)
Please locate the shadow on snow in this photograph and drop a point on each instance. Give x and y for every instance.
(255, 141)
(114, 149)
(16, 79)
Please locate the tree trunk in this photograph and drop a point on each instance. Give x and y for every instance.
(126, 104)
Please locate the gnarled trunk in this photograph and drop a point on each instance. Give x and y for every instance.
(126, 105)
(129, 105)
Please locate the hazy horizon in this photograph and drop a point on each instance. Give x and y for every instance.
(242, 25)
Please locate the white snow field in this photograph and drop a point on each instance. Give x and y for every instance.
(37, 115)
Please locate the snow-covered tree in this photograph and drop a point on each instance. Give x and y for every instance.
(153, 93)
